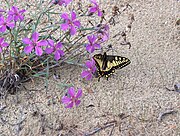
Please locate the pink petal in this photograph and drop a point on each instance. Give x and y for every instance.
(88, 47)
(22, 11)
(93, 1)
(5, 44)
(73, 15)
(93, 62)
(93, 9)
(93, 69)
(2, 20)
(65, 100)
(1, 40)
(57, 56)
(88, 64)
(11, 25)
(92, 49)
(59, 45)
(67, 1)
(42, 43)
(97, 45)
(78, 102)
(10, 13)
(106, 27)
(21, 18)
(15, 9)
(26, 41)
(65, 16)
(79, 93)
(35, 36)
(28, 49)
(77, 23)
(61, 52)
(49, 50)
(70, 105)
(72, 30)
(16, 18)
(38, 51)
(64, 27)
(51, 42)
(105, 37)
(71, 91)
(93, 38)
(60, 2)
(3, 29)
(85, 73)
(9, 18)
(89, 38)
(89, 77)
(1, 10)
(99, 13)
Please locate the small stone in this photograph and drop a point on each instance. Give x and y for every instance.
(177, 87)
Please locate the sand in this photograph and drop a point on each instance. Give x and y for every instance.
(129, 103)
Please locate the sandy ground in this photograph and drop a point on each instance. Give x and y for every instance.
(129, 103)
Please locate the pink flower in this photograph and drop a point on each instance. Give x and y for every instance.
(6, 23)
(70, 23)
(91, 68)
(16, 13)
(92, 45)
(55, 48)
(34, 44)
(3, 44)
(61, 2)
(95, 8)
(103, 33)
(72, 97)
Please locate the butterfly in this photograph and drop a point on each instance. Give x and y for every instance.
(106, 64)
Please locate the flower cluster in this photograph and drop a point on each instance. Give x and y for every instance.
(94, 40)
(34, 44)
(13, 16)
(8, 21)
(37, 44)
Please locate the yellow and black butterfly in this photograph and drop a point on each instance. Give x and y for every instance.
(106, 64)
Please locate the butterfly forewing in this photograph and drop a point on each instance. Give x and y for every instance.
(117, 62)
(99, 61)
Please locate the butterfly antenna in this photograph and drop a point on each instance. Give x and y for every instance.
(110, 47)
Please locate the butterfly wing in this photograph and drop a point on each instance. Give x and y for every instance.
(106, 64)
(114, 62)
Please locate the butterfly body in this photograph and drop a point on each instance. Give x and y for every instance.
(106, 64)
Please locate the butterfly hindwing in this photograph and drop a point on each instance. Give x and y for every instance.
(106, 64)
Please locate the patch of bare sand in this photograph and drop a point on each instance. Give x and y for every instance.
(132, 99)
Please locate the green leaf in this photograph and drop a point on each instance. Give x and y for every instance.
(62, 85)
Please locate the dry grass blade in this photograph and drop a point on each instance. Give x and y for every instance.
(9, 83)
